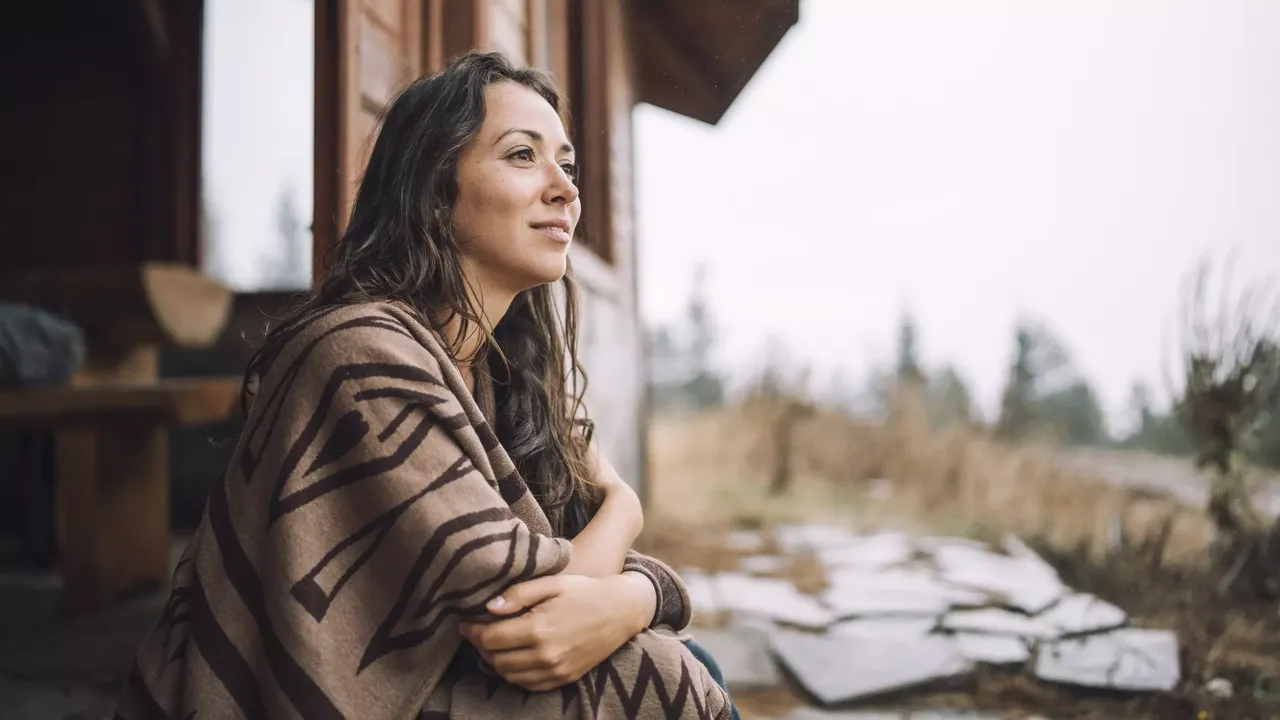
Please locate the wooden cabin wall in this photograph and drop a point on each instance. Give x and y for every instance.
(99, 152)
(70, 139)
(99, 133)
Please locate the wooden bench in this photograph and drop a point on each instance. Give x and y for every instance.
(111, 424)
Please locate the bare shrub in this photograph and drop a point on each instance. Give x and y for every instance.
(1229, 381)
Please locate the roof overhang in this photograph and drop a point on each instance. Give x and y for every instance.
(694, 58)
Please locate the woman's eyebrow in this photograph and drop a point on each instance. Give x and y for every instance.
(533, 135)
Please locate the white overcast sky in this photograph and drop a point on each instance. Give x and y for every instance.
(972, 161)
(968, 160)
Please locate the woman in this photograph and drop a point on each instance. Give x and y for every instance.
(415, 522)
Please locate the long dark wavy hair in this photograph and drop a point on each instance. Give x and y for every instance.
(401, 245)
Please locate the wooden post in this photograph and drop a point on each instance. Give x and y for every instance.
(113, 510)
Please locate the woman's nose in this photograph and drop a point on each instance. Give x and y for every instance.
(561, 187)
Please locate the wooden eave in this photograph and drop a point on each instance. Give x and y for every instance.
(694, 58)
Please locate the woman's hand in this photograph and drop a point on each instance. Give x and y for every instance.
(603, 473)
(573, 623)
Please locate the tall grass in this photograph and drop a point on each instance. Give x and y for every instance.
(715, 468)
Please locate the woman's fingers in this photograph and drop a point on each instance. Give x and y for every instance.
(532, 668)
(525, 595)
(508, 662)
(539, 680)
(518, 632)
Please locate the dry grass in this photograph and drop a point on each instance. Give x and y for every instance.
(1141, 550)
(713, 469)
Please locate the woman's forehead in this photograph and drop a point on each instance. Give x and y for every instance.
(509, 106)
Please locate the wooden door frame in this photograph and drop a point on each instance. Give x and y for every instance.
(168, 60)
(329, 30)
(587, 85)
(187, 45)
(443, 35)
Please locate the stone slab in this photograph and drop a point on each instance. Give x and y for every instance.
(835, 670)
(1024, 582)
(1080, 613)
(702, 592)
(743, 656)
(992, 649)
(765, 564)
(884, 627)
(796, 539)
(869, 551)
(998, 621)
(1126, 659)
(746, 541)
(774, 598)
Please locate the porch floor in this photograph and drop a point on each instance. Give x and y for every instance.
(55, 667)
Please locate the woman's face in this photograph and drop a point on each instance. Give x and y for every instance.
(517, 202)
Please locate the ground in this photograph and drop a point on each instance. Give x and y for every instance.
(56, 668)
(1129, 528)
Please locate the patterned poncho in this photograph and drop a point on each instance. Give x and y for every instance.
(367, 510)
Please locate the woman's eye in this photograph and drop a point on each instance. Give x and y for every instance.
(524, 154)
(570, 170)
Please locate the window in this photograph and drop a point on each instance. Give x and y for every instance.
(258, 143)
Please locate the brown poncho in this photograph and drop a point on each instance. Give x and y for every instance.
(368, 509)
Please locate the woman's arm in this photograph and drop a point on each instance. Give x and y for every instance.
(559, 627)
(601, 542)
(601, 548)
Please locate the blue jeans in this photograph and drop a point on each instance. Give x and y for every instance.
(714, 668)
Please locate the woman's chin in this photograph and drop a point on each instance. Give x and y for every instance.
(545, 270)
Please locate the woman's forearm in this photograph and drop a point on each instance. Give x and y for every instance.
(601, 548)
